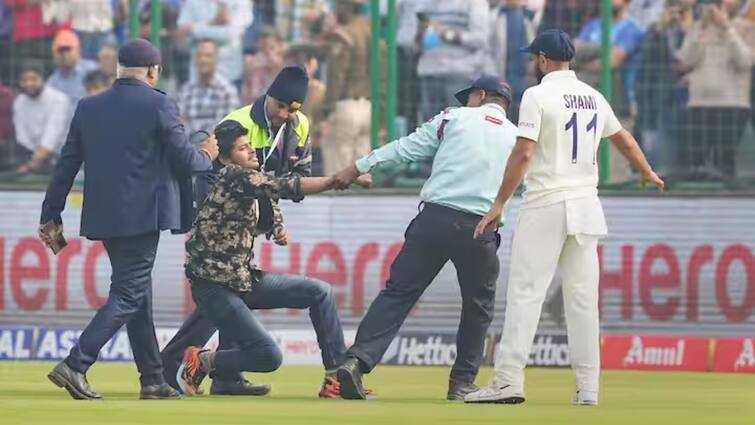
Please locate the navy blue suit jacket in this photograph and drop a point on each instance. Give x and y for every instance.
(137, 164)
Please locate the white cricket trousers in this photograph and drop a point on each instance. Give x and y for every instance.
(545, 238)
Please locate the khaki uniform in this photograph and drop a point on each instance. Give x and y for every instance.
(347, 100)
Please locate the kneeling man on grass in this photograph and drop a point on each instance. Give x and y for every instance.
(227, 286)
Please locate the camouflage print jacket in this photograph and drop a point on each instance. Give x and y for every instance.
(222, 237)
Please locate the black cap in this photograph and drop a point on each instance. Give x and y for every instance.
(487, 83)
(139, 53)
(290, 86)
(554, 44)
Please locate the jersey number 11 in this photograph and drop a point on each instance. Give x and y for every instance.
(591, 126)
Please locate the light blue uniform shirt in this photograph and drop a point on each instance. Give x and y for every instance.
(469, 148)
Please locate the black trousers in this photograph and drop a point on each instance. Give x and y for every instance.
(437, 235)
(130, 303)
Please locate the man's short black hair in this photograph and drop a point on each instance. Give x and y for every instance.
(227, 132)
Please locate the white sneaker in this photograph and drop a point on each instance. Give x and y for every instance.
(506, 394)
(585, 398)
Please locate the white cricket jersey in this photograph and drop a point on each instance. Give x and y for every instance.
(567, 118)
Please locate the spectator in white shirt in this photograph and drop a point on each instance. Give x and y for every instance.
(93, 22)
(40, 120)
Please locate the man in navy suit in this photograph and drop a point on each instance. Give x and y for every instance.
(138, 164)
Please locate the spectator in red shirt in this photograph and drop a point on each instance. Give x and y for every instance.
(34, 25)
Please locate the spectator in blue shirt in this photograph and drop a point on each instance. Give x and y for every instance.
(70, 69)
(626, 36)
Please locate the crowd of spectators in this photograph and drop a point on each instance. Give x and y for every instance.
(681, 69)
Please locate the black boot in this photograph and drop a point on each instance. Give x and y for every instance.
(350, 377)
(239, 387)
(74, 382)
(158, 392)
(458, 389)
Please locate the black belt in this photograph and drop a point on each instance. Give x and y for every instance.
(448, 211)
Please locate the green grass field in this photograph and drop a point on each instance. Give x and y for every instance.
(407, 395)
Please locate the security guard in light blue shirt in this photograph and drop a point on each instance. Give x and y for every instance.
(469, 147)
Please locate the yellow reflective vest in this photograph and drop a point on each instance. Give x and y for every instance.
(293, 153)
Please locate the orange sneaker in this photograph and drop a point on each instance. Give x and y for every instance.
(191, 373)
(331, 388)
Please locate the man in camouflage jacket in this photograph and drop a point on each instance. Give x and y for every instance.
(227, 286)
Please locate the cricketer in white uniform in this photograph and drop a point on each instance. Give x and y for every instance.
(561, 122)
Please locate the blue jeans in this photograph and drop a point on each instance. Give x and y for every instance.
(245, 345)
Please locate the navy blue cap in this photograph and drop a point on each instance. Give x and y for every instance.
(139, 53)
(554, 44)
(290, 86)
(487, 83)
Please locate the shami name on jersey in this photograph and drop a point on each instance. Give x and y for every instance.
(576, 101)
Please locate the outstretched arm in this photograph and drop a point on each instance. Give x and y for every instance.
(421, 144)
(306, 186)
(312, 185)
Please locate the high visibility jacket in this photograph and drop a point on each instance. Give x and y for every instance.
(292, 154)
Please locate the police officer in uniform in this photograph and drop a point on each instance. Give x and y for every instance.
(138, 163)
(467, 146)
